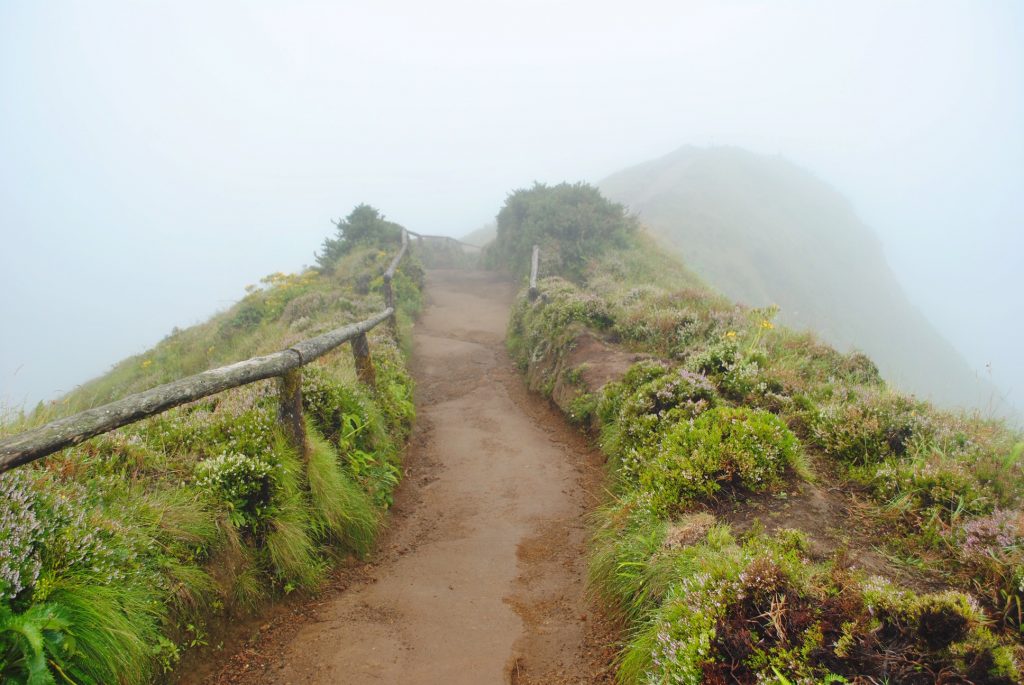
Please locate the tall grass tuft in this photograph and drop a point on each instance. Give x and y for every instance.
(289, 544)
(115, 630)
(339, 507)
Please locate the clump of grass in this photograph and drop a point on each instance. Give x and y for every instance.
(340, 508)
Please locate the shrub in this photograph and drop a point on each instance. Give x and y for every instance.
(21, 534)
(870, 428)
(246, 484)
(736, 372)
(571, 221)
(738, 447)
(930, 484)
(657, 405)
(338, 409)
(364, 225)
(613, 394)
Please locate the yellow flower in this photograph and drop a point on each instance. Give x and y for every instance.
(147, 363)
(767, 324)
(731, 334)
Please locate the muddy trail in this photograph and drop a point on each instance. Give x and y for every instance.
(480, 577)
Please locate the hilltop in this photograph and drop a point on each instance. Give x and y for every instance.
(764, 231)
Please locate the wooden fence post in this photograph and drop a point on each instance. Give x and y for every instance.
(289, 410)
(389, 301)
(364, 363)
(534, 267)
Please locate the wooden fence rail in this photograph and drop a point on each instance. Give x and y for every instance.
(285, 365)
(446, 238)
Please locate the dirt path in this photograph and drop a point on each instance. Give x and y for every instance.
(480, 579)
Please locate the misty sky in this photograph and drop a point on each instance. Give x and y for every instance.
(157, 157)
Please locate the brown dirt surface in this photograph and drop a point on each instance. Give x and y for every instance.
(480, 577)
(835, 519)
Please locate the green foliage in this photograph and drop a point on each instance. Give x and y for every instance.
(717, 412)
(582, 409)
(364, 226)
(724, 447)
(869, 429)
(116, 554)
(246, 484)
(339, 506)
(650, 400)
(33, 643)
(571, 221)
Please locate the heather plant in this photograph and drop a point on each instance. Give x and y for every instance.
(656, 406)
(246, 484)
(760, 609)
(724, 447)
(20, 538)
(872, 427)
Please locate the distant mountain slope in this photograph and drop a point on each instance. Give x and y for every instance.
(763, 231)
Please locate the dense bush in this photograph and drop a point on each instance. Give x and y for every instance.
(246, 484)
(760, 611)
(873, 427)
(724, 447)
(364, 226)
(571, 222)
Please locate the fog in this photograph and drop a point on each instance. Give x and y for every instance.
(157, 157)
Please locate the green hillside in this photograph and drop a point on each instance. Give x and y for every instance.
(777, 513)
(121, 555)
(763, 231)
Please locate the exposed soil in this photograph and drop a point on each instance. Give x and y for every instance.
(480, 577)
(835, 520)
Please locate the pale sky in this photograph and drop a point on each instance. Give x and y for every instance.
(156, 157)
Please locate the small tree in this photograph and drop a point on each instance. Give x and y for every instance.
(365, 225)
(570, 221)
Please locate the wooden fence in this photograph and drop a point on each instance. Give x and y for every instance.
(285, 365)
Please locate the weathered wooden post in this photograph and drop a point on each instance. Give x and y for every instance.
(364, 364)
(389, 291)
(534, 265)
(389, 294)
(289, 410)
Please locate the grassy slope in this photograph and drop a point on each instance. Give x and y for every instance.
(764, 231)
(121, 551)
(730, 405)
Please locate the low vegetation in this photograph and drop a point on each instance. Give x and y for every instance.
(119, 555)
(719, 407)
